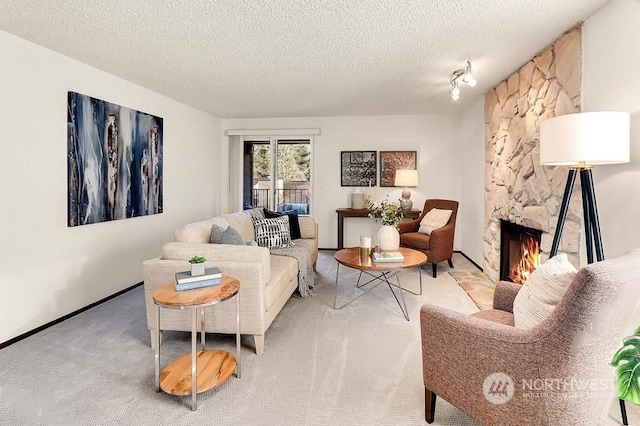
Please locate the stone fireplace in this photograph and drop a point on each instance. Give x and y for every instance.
(517, 188)
(519, 251)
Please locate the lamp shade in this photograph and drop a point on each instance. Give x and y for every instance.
(406, 178)
(585, 139)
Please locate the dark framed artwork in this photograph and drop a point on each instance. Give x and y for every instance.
(114, 161)
(390, 161)
(358, 168)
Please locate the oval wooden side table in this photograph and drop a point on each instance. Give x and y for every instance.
(199, 371)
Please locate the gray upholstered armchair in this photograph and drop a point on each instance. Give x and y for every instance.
(439, 245)
(559, 369)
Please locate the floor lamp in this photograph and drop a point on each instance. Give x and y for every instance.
(581, 141)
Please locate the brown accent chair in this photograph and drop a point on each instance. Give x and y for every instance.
(439, 245)
(559, 368)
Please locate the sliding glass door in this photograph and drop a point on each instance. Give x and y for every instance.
(289, 161)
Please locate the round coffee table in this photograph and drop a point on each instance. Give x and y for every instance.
(379, 272)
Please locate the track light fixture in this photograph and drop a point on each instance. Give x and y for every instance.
(464, 75)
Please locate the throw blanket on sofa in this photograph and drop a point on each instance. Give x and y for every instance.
(301, 251)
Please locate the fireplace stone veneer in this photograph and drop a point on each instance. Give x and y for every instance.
(517, 187)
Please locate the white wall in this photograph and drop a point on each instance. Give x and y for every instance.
(470, 222)
(435, 137)
(47, 269)
(611, 48)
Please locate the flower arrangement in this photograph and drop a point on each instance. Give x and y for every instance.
(388, 213)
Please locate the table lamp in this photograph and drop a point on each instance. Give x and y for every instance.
(406, 178)
(581, 141)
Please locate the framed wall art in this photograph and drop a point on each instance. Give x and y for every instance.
(358, 168)
(114, 161)
(390, 161)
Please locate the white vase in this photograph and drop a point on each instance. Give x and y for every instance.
(197, 269)
(388, 238)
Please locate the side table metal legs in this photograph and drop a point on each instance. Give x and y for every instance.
(238, 370)
(157, 354)
(194, 358)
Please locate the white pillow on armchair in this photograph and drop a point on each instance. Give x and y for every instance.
(434, 219)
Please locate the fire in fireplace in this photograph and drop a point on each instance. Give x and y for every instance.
(519, 251)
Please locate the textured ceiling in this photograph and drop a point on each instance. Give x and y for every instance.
(292, 58)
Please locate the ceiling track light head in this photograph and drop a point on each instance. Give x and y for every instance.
(464, 75)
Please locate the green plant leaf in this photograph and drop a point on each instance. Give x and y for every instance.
(627, 363)
(197, 259)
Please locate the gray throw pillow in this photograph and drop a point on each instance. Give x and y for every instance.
(230, 235)
(216, 234)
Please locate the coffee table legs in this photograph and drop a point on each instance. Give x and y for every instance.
(383, 277)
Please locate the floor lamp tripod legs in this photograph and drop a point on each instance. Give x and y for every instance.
(568, 189)
(586, 179)
(592, 232)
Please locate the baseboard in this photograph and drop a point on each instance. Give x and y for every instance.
(66, 317)
(469, 259)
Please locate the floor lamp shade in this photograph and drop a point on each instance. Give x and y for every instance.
(581, 141)
(585, 139)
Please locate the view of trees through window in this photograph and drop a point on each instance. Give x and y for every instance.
(293, 161)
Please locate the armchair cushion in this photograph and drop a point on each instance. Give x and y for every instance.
(434, 219)
(415, 240)
(542, 291)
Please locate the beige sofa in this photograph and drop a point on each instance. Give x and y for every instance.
(266, 281)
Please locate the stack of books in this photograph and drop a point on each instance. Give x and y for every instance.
(186, 281)
(388, 256)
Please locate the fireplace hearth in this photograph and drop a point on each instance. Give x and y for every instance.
(519, 251)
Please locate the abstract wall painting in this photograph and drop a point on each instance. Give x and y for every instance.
(114, 168)
(358, 168)
(390, 161)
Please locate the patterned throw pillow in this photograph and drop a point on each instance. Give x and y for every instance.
(294, 223)
(272, 233)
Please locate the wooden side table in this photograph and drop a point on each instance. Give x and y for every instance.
(342, 213)
(198, 371)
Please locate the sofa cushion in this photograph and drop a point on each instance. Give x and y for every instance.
(272, 233)
(307, 226)
(284, 269)
(543, 290)
(294, 223)
(434, 219)
(242, 222)
(199, 232)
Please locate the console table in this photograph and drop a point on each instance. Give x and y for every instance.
(342, 213)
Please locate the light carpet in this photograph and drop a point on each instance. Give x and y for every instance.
(360, 365)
